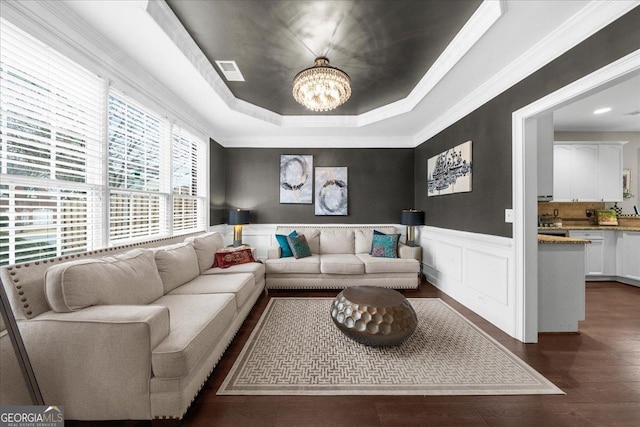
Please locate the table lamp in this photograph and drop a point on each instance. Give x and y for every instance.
(411, 218)
(237, 218)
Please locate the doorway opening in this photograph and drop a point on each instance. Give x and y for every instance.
(524, 179)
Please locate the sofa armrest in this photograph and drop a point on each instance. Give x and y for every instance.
(96, 362)
(409, 252)
(273, 252)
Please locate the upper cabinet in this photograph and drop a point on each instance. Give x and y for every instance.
(610, 172)
(541, 129)
(587, 172)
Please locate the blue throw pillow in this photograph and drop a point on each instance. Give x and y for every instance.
(285, 249)
(299, 246)
(384, 245)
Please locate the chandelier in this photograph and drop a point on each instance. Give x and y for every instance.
(321, 87)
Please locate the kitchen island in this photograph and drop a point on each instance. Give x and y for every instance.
(561, 285)
(614, 250)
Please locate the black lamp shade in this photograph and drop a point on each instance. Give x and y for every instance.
(411, 217)
(238, 217)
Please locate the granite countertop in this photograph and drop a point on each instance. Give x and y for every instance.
(594, 227)
(560, 240)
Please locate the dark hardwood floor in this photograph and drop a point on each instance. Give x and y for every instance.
(599, 369)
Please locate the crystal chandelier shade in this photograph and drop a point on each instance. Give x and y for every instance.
(321, 87)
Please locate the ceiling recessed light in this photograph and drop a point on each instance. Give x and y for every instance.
(602, 110)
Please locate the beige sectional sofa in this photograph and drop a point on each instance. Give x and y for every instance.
(340, 259)
(130, 332)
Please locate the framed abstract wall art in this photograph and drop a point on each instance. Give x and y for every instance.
(296, 181)
(331, 191)
(450, 171)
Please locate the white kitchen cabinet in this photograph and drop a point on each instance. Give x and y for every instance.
(541, 129)
(584, 179)
(628, 255)
(600, 254)
(610, 173)
(587, 172)
(562, 174)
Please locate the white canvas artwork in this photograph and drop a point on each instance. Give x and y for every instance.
(450, 171)
(296, 185)
(331, 191)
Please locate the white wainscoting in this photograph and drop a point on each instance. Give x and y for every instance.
(475, 269)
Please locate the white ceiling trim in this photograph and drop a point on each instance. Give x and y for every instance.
(483, 18)
(329, 141)
(592, 18)
(480, 22)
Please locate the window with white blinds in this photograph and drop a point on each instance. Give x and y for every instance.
(139, 148)
(51, 151)
(81, 169)
(188, 177)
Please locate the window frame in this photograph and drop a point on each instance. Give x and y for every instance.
(98, 189)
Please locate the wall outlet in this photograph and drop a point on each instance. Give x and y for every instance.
(508, 216)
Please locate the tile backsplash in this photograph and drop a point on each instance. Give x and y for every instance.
(572, 213)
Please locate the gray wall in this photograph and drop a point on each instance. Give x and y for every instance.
(489, 127)
(216, 183)
(380, 184)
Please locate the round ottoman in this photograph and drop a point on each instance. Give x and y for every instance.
(374, 316)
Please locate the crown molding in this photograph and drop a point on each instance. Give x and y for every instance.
(592, 18)
(61, 28)
(330, 141)
(480, 22)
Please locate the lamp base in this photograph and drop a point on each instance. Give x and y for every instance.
(411, 235)
(237, 236)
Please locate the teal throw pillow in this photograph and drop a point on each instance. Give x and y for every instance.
(375, 233)
(385, 245)
(299, 246)
(285, 249)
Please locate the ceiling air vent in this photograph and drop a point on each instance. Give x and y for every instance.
(230, 71)
(633, 113)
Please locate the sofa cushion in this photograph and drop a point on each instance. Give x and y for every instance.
(177, 264)
(206, 246)
(341, 264)
(285, 248)
(196, 323)
(364, 238)
(239, 284)
(291, 265)
(255, 268)
(337, 241)
(384, 245)
(389, 265)
(129, 278)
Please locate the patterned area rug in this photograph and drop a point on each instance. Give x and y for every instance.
(297, 350)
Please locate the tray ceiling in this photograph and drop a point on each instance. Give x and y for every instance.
(386, 47)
